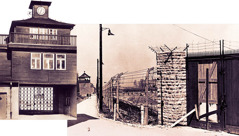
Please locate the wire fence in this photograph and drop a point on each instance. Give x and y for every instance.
(213, 48)
(134, 88)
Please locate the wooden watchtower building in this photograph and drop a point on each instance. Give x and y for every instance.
(38, 66)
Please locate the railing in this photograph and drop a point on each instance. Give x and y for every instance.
(3, 39)
(42, 39)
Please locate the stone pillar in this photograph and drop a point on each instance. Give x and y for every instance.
(173, 68)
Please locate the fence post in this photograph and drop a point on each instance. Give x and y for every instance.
(111, 95)
(142, 114)
(117, 95)
(114, 112)
(146, 109)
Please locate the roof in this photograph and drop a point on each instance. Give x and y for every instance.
(42, 22)
(47, 3)
(84, 75)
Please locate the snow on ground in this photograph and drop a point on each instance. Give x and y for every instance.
(90, 124)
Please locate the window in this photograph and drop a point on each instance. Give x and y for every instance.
(43, 33)
(34, 33)
(54, 33)
(48, 61)
(60, 61)
(35, 60)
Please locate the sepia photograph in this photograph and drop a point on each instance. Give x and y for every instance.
(104, 68)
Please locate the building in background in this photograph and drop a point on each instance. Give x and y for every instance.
(38, 66)
(86, 88)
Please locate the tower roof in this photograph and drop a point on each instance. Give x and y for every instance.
(41, 22)
(84, 75)
(33, 2)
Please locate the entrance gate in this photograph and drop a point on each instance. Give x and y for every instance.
(36, 99)
(208, 108)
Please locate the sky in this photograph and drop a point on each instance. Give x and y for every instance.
(136, 25)
(134, 28)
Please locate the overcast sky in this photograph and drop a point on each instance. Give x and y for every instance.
(136, 25)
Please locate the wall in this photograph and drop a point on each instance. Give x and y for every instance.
(73, 102)
(86, 88)
(21, 70)
(173, 87)
(5, 66)
(13, 102)
(64, 91)
(6, 89)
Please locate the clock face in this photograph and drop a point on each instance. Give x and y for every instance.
(41, 10)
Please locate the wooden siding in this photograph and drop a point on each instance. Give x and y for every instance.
(231, 85)
(5, 66)
(21, 70)
(192, 88)
(212, 82)
(232, 92)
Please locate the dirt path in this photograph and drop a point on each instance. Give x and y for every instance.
(89, 124)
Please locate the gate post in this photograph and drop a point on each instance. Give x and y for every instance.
(207, 108)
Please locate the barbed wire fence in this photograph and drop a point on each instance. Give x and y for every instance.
(136, 88)
(213, 48)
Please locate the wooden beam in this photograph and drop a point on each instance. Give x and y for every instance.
(207, 92)
(214, 64)
(182, 118)
(196, 110)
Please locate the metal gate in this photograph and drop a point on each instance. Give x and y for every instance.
(3, 106)
(36, 99)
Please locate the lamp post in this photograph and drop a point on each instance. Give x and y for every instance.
(101, 63)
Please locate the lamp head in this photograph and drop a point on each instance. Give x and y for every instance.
(109, 32)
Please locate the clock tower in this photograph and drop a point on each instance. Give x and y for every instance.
(40, 9)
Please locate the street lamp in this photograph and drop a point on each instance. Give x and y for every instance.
(101, 63)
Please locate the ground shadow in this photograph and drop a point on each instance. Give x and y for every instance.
(80, 118)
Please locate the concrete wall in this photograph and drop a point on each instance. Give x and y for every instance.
(173, 87)
(73, 102)
(14, 102)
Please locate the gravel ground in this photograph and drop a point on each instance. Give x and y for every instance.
(90, 124)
